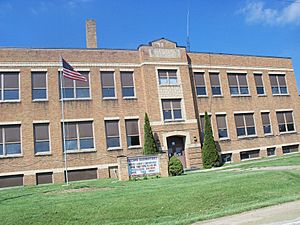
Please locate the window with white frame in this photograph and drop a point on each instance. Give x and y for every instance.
(9, 86)
(200, 84)
(108, 84)
(167, 77)
(79, 136)
(244, 124)
(75, 89)
(132, 132)
(249, 154)
(112, 134)
(171, 109)
(10, 140)
(271, 151)
(278, 84)
(41, 138)
(127, 84)
(285, 121)
(222, 126)
(260, 90)
(238, 84)
(265, 117)
(39, 85)
(215, 84)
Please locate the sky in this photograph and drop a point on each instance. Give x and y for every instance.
(254, 27)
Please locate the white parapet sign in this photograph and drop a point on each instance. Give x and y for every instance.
(143, 166)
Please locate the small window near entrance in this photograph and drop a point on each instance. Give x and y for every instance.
(271, 151)
(226, 157)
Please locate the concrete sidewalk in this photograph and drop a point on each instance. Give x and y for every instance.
(283, 214)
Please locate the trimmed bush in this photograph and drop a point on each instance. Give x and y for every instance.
(210, 156)
(175, 166)
(150, 147)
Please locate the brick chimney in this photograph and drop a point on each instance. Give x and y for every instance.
(91, 37)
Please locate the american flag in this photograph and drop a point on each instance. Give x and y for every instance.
(69, 72)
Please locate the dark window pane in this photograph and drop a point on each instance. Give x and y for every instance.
(11, 80)
(128, 92)
(201, 91)
(13, 149)
(242, 80)
(275, 90)
(70, 130)
(86, 143)
(41, 131)
(270, 151)
(199, 79)
(39, 94)
(41, 146)
(250, 130)
(85, 129)
(241, 131)
(273, 80)
(1, 149)
(82, 92)
(12, 133)
(126, 79)
(239, 120)
(282, 128)
(132, 127)
(280, 117)
(108, 92)
(133, 141)
(290, 127)
(167, 114)
(112, 128)
(260, 90)
(71, 145)
(283, 90)
(11, 95)
(223, 133)
(214, 79)
(226, 157)
(232, 80)
(67, 83)
(166, 104)
(113, 142)
(221, 121)
(177, 114)
(267, 129)
(68, 92)
(281, 80)
(249, 120)
(234, 90)
(216, 90)
(258, 80)
(38, 80)
(107, 79)
(244, 90)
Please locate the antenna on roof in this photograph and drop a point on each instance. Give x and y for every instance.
(188, 44)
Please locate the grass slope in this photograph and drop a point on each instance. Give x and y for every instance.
(175, 200)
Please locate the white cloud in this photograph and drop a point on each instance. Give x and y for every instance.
(257, 12)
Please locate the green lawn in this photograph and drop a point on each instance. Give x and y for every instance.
(175, 200)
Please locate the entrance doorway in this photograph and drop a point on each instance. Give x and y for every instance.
(176, 148)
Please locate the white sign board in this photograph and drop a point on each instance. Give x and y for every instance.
(144, 165)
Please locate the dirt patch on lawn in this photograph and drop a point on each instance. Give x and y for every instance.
(80, 190)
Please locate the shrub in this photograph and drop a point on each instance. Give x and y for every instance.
(175, 166)
(150, 147)
(210, 156)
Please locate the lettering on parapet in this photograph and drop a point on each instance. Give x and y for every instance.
(164, 53)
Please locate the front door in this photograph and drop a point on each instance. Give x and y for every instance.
(176, 148)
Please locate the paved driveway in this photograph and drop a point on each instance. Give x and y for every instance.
(283, 214)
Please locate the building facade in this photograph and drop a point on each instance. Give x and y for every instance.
(252, 101)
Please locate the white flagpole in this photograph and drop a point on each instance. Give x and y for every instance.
(63, 122)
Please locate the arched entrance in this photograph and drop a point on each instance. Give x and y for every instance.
(176, 148)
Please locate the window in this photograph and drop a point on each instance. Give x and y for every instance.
(227, 157)
(200, 84)
(112, 134)
(249, 154)
(271, 151)
(278, 84)
(44, 178)
(167, 77)
(9, 86)
(39, 85)
(127, 84)
(266, 122)
(75, 89)
(132, 132)
(79, 136)
(285, 121)
(10, 141)
(172, 109)
(202, 125)
(215, 84)
(290, 149)
(238, 84)
(259, 84)
(41, 138)
(222, 127)
(108, 84)
(244, 125)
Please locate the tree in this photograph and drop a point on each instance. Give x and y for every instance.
(175, 166)
(210, 156)
(150, 147)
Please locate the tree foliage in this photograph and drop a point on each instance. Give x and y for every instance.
(150, 147)
(175, 166)
(210, 156)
